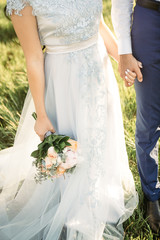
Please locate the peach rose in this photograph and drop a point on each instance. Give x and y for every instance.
(48, 162)
(73, 144)
(60, 171)
(52, 153)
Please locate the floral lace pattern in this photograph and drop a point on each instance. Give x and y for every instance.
(70, 20)
(97, 115)
(92, 78)
(17, 6)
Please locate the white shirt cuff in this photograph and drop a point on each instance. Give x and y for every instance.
(124, 46)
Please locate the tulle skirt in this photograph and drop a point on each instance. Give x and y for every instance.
(82, 101)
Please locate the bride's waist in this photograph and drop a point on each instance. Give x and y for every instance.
(72, 47)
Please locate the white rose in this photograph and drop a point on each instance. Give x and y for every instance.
(66, 149)
(51, 153)
(53, 160)
(59, 159)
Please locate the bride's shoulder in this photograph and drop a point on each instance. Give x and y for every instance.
(40, 7)
(15, 6)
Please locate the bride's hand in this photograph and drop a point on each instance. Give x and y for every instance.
(128, 61)
(129, 77)
(42, 126)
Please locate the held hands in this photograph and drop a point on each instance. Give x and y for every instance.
(43, 125)
(129, 69)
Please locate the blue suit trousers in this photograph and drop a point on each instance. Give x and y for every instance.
(146, 48)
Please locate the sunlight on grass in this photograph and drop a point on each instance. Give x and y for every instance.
(13, 81)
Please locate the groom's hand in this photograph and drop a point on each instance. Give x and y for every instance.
(127, 61)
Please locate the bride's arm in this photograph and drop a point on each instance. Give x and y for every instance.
(109, 40)
(26, 30)
(112, 49)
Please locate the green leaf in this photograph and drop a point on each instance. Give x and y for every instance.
(35, 154)
(68, 144)
(66, 138)
(54, 137)
(41, 145)
(62, 145)
(34, 115)
(60, 137)
(56, 149)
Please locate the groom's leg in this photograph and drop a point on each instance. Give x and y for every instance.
(148, 131)
(146, 48)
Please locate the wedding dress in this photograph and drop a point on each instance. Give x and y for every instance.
(82, 101)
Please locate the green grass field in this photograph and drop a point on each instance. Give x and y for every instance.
(13, 88)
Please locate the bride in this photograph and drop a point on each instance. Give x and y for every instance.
(74, 92)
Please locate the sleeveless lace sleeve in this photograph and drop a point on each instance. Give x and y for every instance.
(40, 7)
(16, 6)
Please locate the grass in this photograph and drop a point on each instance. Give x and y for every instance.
(14, 86)
(13, 81)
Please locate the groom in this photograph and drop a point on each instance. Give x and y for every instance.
(143, 43)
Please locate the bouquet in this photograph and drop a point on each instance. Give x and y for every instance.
(55, 156)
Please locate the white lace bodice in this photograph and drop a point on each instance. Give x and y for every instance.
(62, 22)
